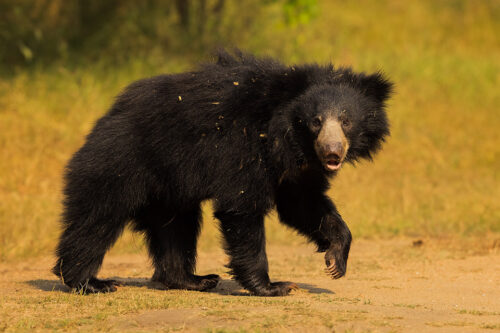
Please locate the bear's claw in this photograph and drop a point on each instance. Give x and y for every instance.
(333, 271)
(335, 260)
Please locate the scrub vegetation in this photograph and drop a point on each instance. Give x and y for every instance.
(437, 175)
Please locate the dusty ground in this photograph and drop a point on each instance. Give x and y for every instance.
(392, 286)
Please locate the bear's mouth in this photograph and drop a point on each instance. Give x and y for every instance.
(333, 163)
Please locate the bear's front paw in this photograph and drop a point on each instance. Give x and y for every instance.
(276, 289)
(336, 261)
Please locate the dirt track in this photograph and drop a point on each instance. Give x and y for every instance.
(391, 286)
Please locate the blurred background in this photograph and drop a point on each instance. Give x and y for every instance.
(62, 63)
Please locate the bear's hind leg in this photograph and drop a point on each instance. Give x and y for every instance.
(81, 250)
(172, 240)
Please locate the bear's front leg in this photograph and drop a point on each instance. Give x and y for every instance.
(245, 244)
(304, 207)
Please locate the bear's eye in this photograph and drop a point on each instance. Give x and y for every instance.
(346, 123)
(316, 122)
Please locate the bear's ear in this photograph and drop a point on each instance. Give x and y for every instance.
(225, 59)
(375, 86)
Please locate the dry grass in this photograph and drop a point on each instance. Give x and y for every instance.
(438, 174)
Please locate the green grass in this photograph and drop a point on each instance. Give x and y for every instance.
(438, 174)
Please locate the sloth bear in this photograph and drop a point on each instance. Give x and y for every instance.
(248, 133)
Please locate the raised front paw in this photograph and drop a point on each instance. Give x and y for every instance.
(276, 289)
(336, 259)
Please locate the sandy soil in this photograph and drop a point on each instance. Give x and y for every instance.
(392, 285)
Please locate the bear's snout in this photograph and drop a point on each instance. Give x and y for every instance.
(331, 145)
(334, 155)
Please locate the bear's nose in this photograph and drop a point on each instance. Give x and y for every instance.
(334, 150)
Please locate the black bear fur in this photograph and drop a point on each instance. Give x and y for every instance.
(238, 131)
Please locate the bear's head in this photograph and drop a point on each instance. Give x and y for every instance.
(342, 120)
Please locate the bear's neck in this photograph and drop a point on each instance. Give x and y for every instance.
(284, 152)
